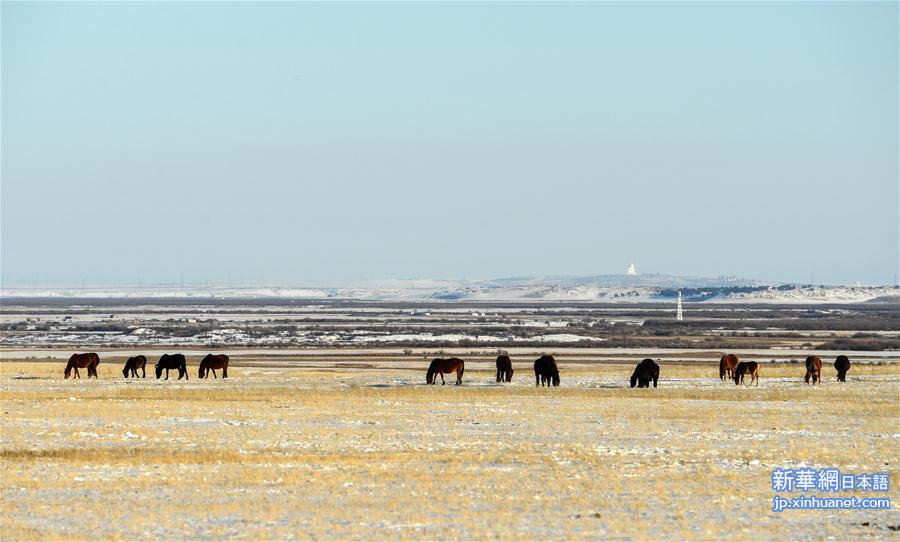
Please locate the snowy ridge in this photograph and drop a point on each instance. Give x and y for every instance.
(601, 288)
(817, 294)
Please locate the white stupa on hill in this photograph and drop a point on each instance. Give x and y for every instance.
(632, 270)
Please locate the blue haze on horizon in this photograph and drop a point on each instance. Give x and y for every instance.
(295, 142)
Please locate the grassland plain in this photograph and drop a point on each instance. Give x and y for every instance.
(348, 453)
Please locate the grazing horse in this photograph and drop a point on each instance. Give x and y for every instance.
(727, 365)
(813, 369)
(545, 371)
(80, 361)
(746, 367)
(441, 366)
(842, 364)
(504, 369)
(172, 361)
(645, 371)
(133, 364)
(211, 363)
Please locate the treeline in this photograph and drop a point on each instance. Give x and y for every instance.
(873, 344)
(805, 322)
(708, 292)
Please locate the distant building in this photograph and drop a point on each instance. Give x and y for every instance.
(679, 315)
(632, 270)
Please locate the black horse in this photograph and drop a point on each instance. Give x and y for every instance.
(842, 364)
(504, 368)
(746, 368)
(645, 371)
(545, 371)
(172, 361)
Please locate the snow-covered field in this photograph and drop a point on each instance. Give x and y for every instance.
(287, 323)
(332, 453)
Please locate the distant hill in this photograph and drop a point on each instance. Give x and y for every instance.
(599, 288)
(626, 281)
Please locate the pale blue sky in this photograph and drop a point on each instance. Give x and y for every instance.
(298, 142)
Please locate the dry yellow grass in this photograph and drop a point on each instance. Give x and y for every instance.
(349, 454)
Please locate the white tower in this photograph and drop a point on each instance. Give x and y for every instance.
(632, 270)
(678, 314)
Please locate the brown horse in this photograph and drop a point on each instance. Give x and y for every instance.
(746, 367)
(813, 369)
(546, 371)
(80, 361)
(727, 365)
(133, 364)
(441, 366)
(504, 369)
(211, 363)
(842, 365)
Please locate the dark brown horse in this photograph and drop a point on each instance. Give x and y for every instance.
(442, 366)
(727, 365)
(504, 369)
(211, 363)
(645, 371)
(80, 361)
(545, 371)
(813, 369)
(842, 364)
(133, 364)
(172, 361)
(746, 367)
